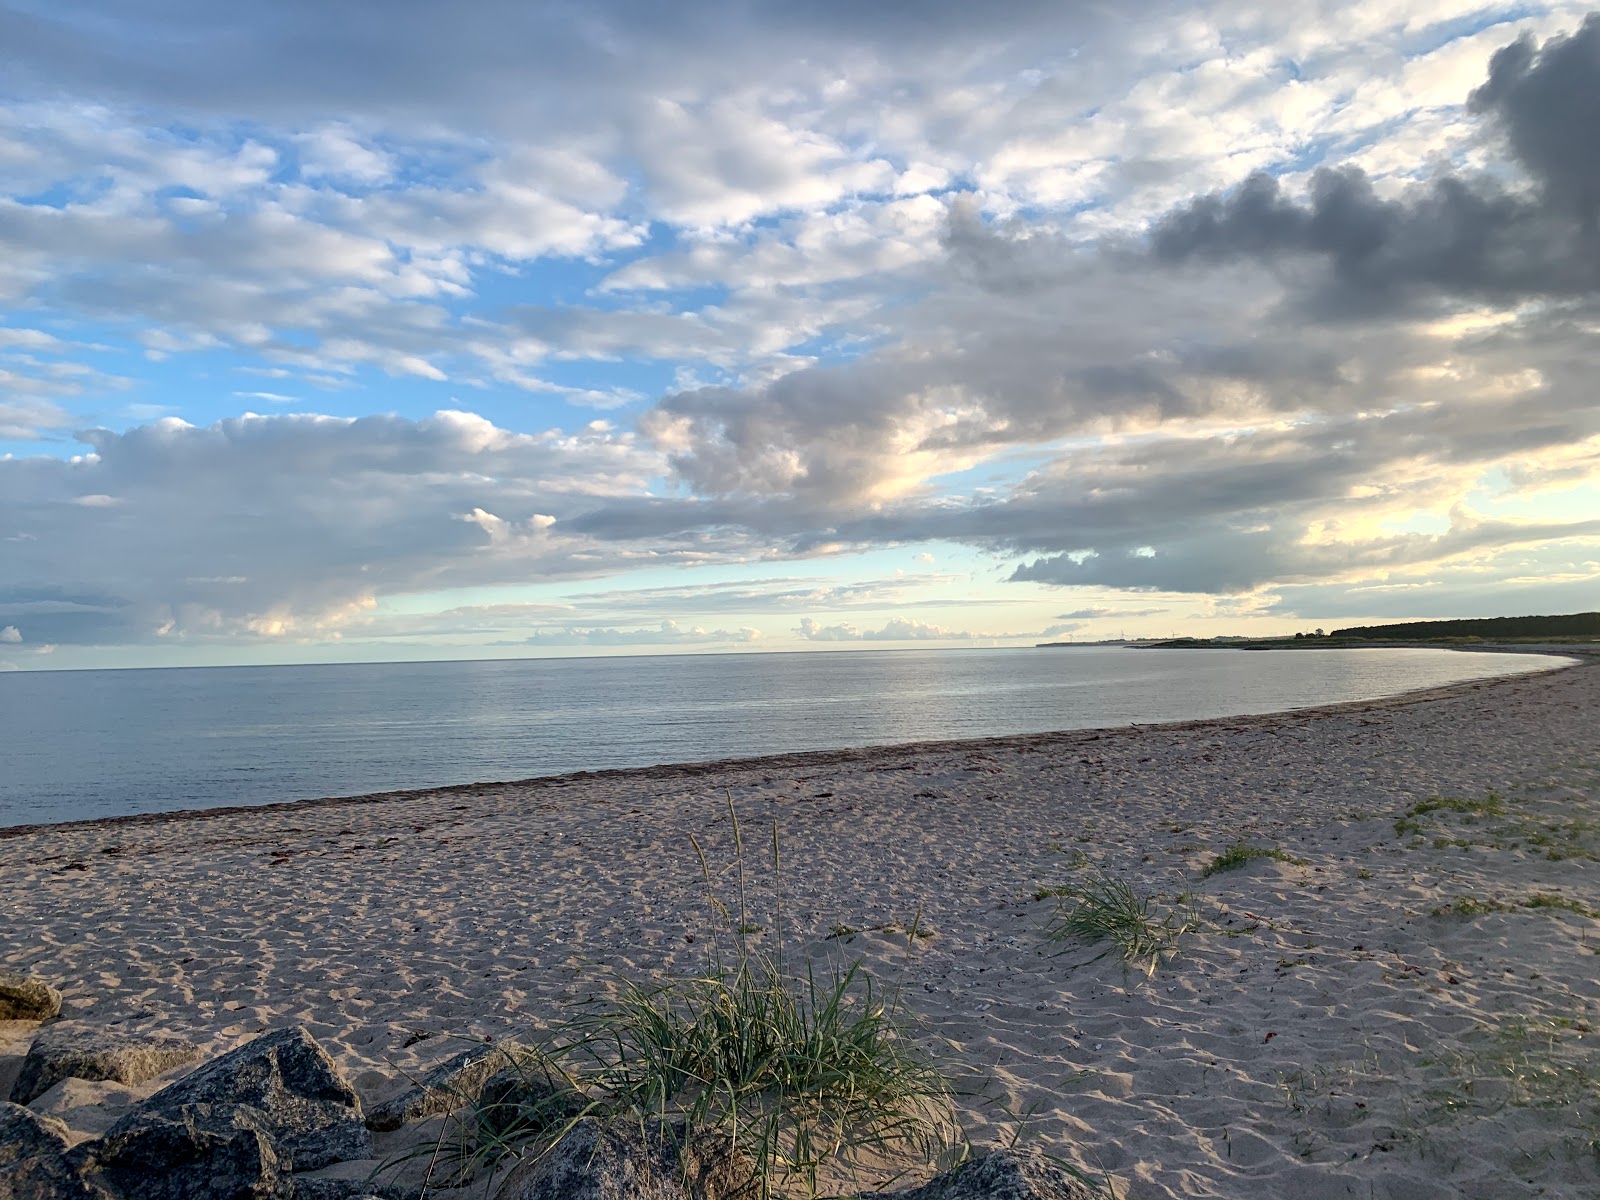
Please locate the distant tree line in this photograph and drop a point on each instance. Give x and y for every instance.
(1571, 625)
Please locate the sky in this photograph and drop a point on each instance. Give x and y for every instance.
(367, 331)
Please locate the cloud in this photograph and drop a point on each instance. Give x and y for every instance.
(27, 421)
(289, 525)
(1319, 372)
(1267, 302)
(10, 634)
(899, 629)
(784, 594)
(1546, 103)
(1471, 236)
(668, 633)
(1089, 614)
(905, 629)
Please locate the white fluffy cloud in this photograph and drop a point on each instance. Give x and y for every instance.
(906, 629)
(668, 633)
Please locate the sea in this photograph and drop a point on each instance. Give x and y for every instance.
(77, 745)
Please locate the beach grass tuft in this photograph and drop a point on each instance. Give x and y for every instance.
(1108, 909)
(1242, 853)
(796, 1070)
(1491, 805)
(1472, 906)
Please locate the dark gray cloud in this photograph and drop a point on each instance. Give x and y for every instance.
(1546, 101)
(1477, 237)
(1237, 560)
(1455, 238)
(499, 60)
(276, 525)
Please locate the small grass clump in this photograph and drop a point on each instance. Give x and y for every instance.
(1491, 805)
(1522, 1063)
(1471, 906)
(1242, 853)
(1107, 909)
(1548, 900)
(798, 1071)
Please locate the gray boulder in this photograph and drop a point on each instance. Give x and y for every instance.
(68, 1050)
(306, 1107)
(624, 1160)
(196, 1152)
(24, 998)
(1002, 1175)
(342, 1189)
(525, 1098)
(454, 1082)
(33, 1158)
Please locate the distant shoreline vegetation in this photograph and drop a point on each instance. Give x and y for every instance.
(1584, 625)
(1569, 627)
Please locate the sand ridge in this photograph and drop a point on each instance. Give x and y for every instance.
(1321, 1034)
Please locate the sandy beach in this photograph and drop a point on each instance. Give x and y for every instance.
(1385, 1011)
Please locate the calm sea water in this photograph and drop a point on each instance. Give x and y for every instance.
(85, 744)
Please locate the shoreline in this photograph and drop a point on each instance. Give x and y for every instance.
(1581, 656)
(1337, 1024)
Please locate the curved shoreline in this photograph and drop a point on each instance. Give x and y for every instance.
(1581, 656)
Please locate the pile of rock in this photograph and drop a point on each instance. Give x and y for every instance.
(237, 1127)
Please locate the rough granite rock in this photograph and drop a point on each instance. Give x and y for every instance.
(308, 1109)
(196, 1152)
(33, 1158)
(525, 1095)
(454, 1082)
(622, 1161)
(342, 1189)
(24, 998)
(1001, 1175)
(68, 1050)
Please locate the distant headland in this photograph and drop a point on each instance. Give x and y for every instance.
(1564, 628)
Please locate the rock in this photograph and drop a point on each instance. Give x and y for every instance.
(88, 1109)
(24, 998)
(196, 1152)
(353, 1179)
(454, 1082)
(308, 1109)
(526, 1096)
(68, 1050)
(1002, 1175)
(33, 1158)
(620, 1160)
(342, 1189)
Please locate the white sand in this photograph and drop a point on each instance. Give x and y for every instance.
(1323, 1036)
